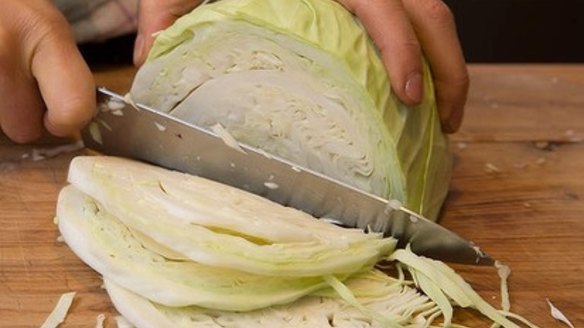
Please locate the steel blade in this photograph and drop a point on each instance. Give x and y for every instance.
(121, 128)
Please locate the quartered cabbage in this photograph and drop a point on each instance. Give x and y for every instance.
(301, 80)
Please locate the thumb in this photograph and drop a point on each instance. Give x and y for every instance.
(154, 16)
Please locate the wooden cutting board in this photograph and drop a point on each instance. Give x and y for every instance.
(517, 192)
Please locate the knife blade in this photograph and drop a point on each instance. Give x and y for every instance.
(123, 128)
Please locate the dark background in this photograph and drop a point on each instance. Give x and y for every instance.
(520, 30)
(490, 31)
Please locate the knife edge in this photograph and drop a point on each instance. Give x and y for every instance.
(133, 130)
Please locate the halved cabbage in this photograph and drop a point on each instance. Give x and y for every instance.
(301, 80)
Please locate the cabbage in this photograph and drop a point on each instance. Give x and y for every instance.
(301, 80)
(179, 249)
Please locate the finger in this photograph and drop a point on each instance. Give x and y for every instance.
(436, 31)
(64, 79)
(21, 108)
(154, 16)
(388, 25)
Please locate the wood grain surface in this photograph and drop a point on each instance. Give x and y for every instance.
(517, 192)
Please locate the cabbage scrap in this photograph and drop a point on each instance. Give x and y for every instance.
(558, 315)
(59, 313)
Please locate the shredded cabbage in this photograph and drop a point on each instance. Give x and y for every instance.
(444, 282)
(402, 304)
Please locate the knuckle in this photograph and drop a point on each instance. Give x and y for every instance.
(438, 10)
(24, 138)
(30, 17)
(411, 43)
(462, 81)
(68, 115)
(351, 5)
(404, 44)
(453, 94)
(457, 79)
(48, 25)
(181, 7)
(403, 53)
(38, 24)
(28, 24)
(453, 89)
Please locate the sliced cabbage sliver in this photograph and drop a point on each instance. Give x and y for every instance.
(109, 247)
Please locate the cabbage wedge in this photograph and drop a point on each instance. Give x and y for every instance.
(221, 226)
(111, 249)
(301, 80)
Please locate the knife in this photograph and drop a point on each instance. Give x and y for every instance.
(123, 128)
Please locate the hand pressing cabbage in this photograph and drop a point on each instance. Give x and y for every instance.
(301, 80)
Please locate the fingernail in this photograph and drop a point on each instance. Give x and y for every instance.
(138, 49)
(413, 88)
